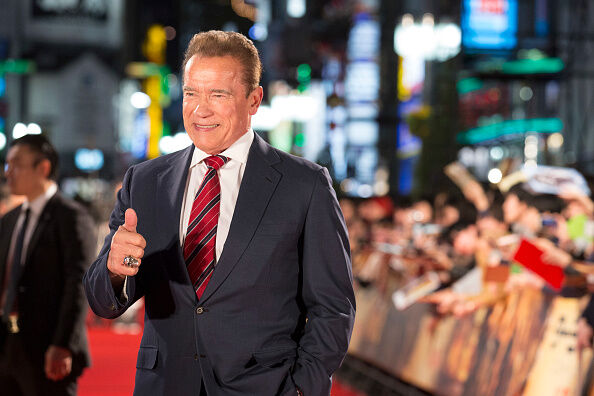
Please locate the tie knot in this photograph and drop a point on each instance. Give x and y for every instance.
(215, 161)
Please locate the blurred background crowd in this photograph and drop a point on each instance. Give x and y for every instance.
(458, 133)
(460, 249)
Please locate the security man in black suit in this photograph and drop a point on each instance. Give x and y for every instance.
(46, 244)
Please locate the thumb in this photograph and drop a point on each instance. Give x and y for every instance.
(130, 220)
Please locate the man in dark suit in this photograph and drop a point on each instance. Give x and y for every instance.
(46, 244)
(239, 249)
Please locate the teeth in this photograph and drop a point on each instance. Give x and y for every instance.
(208, 126)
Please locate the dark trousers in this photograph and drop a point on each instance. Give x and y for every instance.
(24, 375)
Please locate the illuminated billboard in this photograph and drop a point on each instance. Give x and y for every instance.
(489, 24)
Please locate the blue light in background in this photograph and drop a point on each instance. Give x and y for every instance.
(88, 160)
(489, 24)
(258, 31)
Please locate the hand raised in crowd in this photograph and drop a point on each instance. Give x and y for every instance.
(126, 242)
(552, 254)
(574, 194)
(58, 363)
(476, 195)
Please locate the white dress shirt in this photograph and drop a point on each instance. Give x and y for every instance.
(36, 207)
(230, 176)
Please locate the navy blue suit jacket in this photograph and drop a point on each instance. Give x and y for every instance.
(279, 309)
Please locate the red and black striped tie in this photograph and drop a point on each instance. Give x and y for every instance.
(199, 246)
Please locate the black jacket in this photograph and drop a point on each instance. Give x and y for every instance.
(51, 302)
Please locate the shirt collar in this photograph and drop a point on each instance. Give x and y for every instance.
(38, 203)
(238, 151)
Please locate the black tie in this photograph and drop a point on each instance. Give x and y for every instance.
(15, 270)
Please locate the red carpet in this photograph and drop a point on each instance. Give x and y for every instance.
(114, 366)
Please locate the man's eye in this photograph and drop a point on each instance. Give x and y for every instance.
(188, 93)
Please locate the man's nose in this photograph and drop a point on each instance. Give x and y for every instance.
(201, 107)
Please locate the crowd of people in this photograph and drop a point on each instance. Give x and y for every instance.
(462, 249)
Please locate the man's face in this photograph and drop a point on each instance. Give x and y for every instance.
(512, 208)
(465, 241)
(216, 110)
(24, 171)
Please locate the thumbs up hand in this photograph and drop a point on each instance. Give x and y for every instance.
(130, 220)
(126, 242)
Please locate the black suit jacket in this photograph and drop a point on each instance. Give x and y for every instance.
(51, 302)
(279, 308)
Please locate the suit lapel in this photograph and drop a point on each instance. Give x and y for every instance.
(171, 184)
(44, 219)
(257, 187)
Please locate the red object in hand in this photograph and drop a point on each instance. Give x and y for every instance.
(530, 256)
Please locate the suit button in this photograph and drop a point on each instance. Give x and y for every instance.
(196, 357)
(113, 308)
(199, 310)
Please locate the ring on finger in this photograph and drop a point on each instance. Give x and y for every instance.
(131, 261)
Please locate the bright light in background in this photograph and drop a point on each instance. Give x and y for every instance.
(365, 190)
(258, 31)
(496, 153)
(295, 107)
(428, 19)
(285, 108)
(2, 141)
(88, 160)
(347, 185)
(428, 40)
(526, 93)
(381, 188)
(494, 175)
(531, 148)
(19, 130)
(265, 119)
(466, 156)
(33, 129)
(530, 151)
(449, 39)
(555, 141)
(296, 8)
(362, 81)
(407, 20)
(140, 100)
(170, 144)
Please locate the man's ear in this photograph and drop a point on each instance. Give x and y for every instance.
(255, 99)
(44, 166)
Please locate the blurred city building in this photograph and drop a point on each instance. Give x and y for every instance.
(382, 92)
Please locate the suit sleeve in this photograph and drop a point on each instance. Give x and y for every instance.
(327, 291)
(77, 240)
(99, 290)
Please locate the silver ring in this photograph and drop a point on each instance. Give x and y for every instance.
(130, 261)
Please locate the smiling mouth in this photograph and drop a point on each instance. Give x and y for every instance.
(211, 126)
